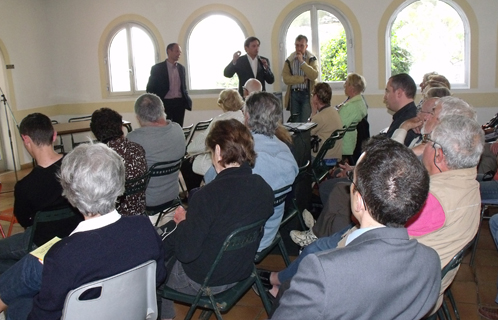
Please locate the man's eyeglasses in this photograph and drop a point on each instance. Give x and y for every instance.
(350, 175)
(434, 143)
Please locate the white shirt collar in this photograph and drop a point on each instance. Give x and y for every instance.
(97, 222)
(355, 234)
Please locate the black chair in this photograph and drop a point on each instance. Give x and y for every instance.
(137, 185)
(200, 126)
(159, 169)
(50, 216)
(78, 119)
(485, 204)
(443, 312)
(318, 168)
(187, 130)
(222, 302)
(59, 144)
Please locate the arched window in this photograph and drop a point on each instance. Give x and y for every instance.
(426, 36)
(207, 56)
(131, 52)
(330, 38)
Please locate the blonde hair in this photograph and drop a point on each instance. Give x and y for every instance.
(230, 100)
(357, 81)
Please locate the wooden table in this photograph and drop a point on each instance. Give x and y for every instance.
(80, 126)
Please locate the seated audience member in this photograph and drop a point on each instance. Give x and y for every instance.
(398, 97)
(231, 104)
(274, 162)
(390, 186)
(432, 81)
(491, 312)
(105, 244)
(162, 140)
(354, 109)
(327, 120)
(450, 218)
(437, 92)
(40, 190)
(107, 126)
(252, 85)
(235, 198)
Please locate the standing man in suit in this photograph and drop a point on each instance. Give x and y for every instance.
(250, 65)
(380, 273)
(167, 80)
(300, 74)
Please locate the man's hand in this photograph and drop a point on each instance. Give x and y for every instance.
(180, 215)
(414, 124)
(418, 150)
(299, 57)
(345, 168)
(236, 57)
(264, 62)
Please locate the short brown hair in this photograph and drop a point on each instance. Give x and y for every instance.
(235, 141)
(323, 91)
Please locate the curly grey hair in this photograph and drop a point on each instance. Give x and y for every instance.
(264, 112)
(92, 177)
(456, 106)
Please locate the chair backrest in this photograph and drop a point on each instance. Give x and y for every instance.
(281, 195)
(137, 185)
(187, 130)
(237, 239)
(456, 260)
(49, 216)
(200, 126)
(59, 144)
(164, 168)
(327, 145)
(78, 119)
(128, 295)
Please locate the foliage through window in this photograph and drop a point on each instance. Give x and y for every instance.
(207, 57)
(429, 35)
(132, 52)
(326, 38)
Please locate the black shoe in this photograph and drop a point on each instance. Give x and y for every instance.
(264, 276)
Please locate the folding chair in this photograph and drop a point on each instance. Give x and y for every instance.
(200, 126)
(78, 119)
(128, 295)
(443, 312)
(165, 168)
(222, 302)
(53, 216)
(187, 130)
(485, 204)
(318, 168)
(59, 146)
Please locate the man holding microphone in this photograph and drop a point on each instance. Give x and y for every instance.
(250, 65)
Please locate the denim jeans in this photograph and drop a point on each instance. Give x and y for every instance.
(319, 245)
(18, 286)
(300, 106)
(179, 281)
(13, 248)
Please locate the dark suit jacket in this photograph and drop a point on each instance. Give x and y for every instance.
(379, 275)
(244, 71)
(159, 82)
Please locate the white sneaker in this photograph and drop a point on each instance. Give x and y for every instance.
(309, 221)
(303, 238)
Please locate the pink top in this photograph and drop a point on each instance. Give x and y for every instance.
(430, 218)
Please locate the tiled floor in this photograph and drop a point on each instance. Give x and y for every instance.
(471, 288)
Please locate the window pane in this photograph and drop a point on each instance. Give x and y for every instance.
(143, 56)
(118, 63)
(333, 47)
(429, 36)
(208, 57)
(300, 25)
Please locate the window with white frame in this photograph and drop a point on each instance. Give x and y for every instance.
(430, 35)
(131, 52)
(329, 35)
(207, 56)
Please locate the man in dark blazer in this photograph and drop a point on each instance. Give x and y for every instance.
(380, 273)
(167, 80)
(250, 65)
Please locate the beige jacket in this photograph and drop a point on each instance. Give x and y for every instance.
(310, 69)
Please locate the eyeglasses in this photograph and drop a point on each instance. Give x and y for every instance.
(427, 112)
(350, 175)
(434, 143)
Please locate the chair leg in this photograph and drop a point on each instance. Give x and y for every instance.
(205, 315)
(13, 221)
(264, 298)
(283, 251)
(446, 311)
(474, 246)
(1, 231)
(453, 303)
(440, 314)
